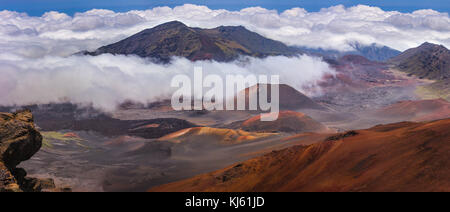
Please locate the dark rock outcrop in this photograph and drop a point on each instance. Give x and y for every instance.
(19, 141)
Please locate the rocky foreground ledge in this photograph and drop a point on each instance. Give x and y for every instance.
(19, 141)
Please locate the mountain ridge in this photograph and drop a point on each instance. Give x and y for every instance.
(373, 52)
(224, 43)
(430, 61)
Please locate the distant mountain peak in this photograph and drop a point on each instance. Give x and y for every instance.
(373, 52)
(224, 43)
(428, 45)
(431, 61)
(171, 24)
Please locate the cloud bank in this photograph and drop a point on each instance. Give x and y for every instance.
(37, 66)
(330, 28)
(108, 80)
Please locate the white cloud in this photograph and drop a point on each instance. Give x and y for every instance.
(107, 80)
(330, 28)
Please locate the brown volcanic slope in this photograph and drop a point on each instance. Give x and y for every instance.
(224, 136)
(289, 97)
(421, 110)
(174, 38)
(397, 157)
(426, 61)
(288, 121)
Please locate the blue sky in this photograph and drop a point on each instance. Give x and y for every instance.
(38, 7)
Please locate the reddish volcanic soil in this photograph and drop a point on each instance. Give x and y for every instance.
(71, 135)
(422, 110)
(397, 157)
(288, 121)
